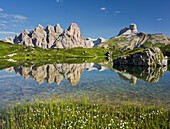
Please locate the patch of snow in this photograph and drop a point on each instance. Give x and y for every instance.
(10, 55)
(11, 60)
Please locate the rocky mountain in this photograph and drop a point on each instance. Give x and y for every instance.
(129, 38)
(95, 42)
(51, 37)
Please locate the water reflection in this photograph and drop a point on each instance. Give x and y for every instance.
(101, 82)
(72, 72)
(148, 74)
(56, 72)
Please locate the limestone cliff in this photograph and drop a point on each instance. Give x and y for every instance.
(51, 37)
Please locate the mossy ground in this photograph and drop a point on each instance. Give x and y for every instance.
(82, 113)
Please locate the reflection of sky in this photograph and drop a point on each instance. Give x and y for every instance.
(104, 84)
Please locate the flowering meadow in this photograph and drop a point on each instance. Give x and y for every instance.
(77, 114)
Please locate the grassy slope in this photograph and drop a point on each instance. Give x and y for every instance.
(29, 56)
(25, 52)
(113, 43)
(123, 42)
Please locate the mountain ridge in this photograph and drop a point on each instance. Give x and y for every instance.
(56, 37)
(51, 37)
(129, 38)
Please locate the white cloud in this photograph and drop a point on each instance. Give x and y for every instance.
(58, 1)
(159, 19)
(117, 12)
(7, 32)
(3, 25)
(13, 17)
(103, 8)
(4, 22)
(1, 10)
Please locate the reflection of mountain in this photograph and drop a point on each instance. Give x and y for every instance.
(55, 72)
(130, 78)
(148, 74)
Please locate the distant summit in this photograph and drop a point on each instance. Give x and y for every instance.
(56, 37)
(129, 38)
(131, 30)
(95, 42)
(51, 37)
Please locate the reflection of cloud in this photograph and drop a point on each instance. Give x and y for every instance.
(117, 12)
(1, 10)
(103, 9)
(7, 32)
(7, 76)
(159, 19)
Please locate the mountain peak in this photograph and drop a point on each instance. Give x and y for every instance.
(73, 27)
(133, 27)
(128, 31)
(51, 37)
(40, 26)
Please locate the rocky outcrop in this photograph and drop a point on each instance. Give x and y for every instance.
(94, 42)
(128, 31)
(9, 39)
(129, 38)
(148, 57)
(51, 37)
(71, 38)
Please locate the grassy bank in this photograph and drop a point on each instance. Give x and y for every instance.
(83, 114)
(16, 51)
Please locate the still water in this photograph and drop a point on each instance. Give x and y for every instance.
(97, 81)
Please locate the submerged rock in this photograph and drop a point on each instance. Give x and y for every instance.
(148, 57)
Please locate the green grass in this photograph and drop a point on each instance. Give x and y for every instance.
(26, 52)
(159, 45)
(147, 45)
(166, 50)
(114, 42)
(82, 113)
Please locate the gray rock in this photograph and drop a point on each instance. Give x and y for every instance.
(148, 57)
(94, 42)
(71, 38)
(51, 37)
(9, 39)
(127, 31)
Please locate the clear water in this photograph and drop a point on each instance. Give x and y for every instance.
(97, 81)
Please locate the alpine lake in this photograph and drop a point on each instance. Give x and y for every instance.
(98, 81)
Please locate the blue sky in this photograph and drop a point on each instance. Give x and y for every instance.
(96, 18)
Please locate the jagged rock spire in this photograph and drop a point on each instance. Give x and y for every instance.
(131, 30)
